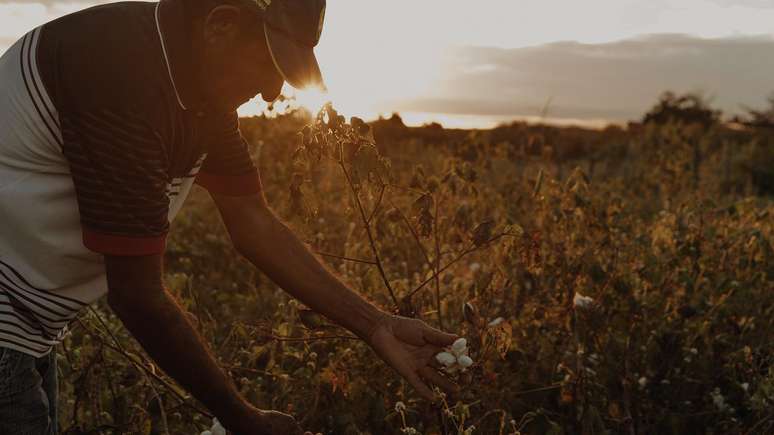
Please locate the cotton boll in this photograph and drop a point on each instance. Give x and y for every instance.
(580, 301)
(718, 400)
(217, 429)
(459, 346)
(464, 361)
(496, 322)
(445, 358)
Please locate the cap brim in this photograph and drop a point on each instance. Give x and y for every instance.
(296, 63)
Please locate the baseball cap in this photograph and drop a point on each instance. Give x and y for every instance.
(292, 29)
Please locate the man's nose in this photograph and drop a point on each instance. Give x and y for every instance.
(270, 93)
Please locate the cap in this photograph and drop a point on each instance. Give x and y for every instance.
(292, 29)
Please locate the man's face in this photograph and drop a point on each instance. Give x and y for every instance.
(236, 63)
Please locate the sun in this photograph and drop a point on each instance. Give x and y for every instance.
(312, 99)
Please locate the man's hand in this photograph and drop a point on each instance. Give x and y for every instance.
(409, 346)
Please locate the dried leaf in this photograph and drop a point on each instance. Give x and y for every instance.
(483, 232)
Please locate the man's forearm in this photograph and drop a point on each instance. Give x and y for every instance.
(166, 334)
(275, 250)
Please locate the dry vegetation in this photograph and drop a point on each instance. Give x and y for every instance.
(668, 228)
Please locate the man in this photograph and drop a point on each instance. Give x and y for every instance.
(107, 117)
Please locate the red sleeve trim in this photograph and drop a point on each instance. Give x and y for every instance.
(123, 245)
(230, 185)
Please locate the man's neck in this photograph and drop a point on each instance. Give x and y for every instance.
(180, 54)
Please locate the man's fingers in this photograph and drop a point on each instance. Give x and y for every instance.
(429, 351)
(418, 385)
(427, 355)
(438, 337)
(434, 363)
(439, 380)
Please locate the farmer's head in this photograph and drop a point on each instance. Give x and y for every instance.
(247, 47)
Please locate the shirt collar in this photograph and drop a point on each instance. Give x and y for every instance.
(176, 46)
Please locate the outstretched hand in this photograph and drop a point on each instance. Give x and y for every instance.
(409, 346)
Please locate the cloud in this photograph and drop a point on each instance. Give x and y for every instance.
(618, 80)
(369, 62)
(757, 4)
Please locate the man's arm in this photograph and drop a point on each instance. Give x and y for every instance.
(408, 345)
(136, 294)
(267, 242)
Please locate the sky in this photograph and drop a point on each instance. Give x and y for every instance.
(475, 64)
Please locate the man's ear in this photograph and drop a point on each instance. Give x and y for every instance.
(222, 24)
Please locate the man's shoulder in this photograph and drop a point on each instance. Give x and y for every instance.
(105, 55)
(104, 26)
(103, 16)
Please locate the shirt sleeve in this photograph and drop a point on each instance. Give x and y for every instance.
(119, 168)
(228, 168)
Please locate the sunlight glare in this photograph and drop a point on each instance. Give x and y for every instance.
(312, 99)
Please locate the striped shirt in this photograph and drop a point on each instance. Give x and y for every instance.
(103, 131)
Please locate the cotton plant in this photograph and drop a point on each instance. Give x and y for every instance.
(720, 402)
(456, 357)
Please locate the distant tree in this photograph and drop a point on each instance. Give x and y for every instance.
(389, 129)
(761, 118)
(688, 108)
(396, 121)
